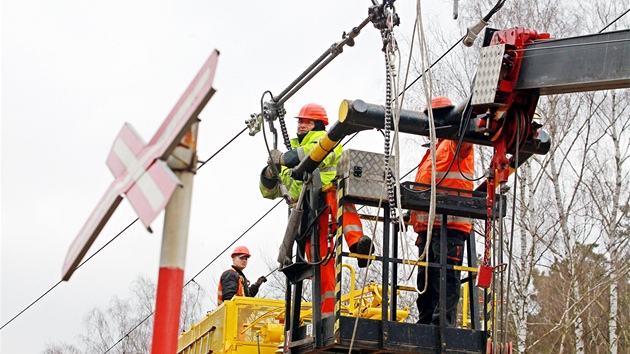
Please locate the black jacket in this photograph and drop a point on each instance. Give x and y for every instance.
(229, 282)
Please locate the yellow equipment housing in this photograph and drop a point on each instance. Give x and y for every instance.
(240, 325)
(247, 325)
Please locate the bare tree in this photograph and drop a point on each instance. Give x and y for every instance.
(608, 187)
(555, 194)
(126, 325)
(62, 349)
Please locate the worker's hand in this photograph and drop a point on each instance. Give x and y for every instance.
(261, 280)
(276, 157)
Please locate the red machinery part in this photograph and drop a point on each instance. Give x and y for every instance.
(510, 119)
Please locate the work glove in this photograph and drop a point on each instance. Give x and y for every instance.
(276, 157)
(261, 280)
(268, 172)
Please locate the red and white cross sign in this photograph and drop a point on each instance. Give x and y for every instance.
(140, 171)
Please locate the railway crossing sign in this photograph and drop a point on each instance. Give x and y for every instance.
(140, 169)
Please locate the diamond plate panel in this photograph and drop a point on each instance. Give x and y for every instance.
(488, 71)
(364, 173)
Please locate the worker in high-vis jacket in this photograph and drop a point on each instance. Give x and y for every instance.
(233, 281)
(452, 171)
(312, 122)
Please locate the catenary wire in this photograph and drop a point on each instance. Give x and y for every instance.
(61, 281)
(233, 242)
(433, 64)
(204, 162)
(192, 280)
(113, 238)
(512, 226)
(221, 149)
(615, 20)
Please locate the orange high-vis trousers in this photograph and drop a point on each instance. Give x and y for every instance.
(352, 231)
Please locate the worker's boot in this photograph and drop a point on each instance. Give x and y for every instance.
(364, 246)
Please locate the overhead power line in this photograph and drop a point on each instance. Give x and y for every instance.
(192, 280)
(113, 238)
(206, 161)
(615, 20)
(59, 282)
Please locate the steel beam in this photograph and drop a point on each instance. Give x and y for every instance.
(577, 64)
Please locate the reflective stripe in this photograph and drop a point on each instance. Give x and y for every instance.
(239, 290)
(422, 217)
(350, 228)
(350, 208)
(300, 152)
(329, 169)
(328, 295)
(454, 175)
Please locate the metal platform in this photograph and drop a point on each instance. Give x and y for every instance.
(458, 202)
(389, 337)
(361, 181)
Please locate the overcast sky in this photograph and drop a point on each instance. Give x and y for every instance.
(73, 72)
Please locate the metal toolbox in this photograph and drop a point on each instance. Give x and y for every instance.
(363, 175)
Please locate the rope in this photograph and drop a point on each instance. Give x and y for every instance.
(428, 89)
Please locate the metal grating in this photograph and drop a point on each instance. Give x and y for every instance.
(488, 72)
(364, 175)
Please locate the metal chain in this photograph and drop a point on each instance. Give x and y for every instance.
(388, 41)
(283, 127)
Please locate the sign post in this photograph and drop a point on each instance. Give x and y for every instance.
(144, 174)
(174, 242)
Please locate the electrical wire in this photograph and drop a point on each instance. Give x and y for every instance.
(61, 281)
(513, 222)
(615, 20)
(233, 242)
(115, 237)
(496, 8)
(192, 280)
(433, 64)
(221, 149)
(402, 229)
(128, 333)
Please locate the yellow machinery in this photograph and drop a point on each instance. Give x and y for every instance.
(256, 325)
(240, 325)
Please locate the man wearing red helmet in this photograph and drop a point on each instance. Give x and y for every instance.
(233, 282)
(312, 122)
(454, 168)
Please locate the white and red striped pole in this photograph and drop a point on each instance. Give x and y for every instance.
(174, 242)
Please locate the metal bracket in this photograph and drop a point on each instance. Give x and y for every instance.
(488, 75)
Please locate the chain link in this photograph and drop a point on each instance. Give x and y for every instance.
(283, 128)
(388, 41)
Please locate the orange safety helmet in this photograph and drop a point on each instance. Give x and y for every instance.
(241, 250)
(439, 102)
(313, 111)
